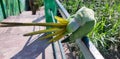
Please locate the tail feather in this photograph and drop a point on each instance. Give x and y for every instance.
(41, 31)
(60, 35)
(61, 20)
(50, 35)
(11, 24)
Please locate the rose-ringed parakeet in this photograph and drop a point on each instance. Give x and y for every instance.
(77, 26)
(81, 24)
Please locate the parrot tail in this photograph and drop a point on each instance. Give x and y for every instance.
(42, 31)
(58, 36)
(57, 29)
(12, 24)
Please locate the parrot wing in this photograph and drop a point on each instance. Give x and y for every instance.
(81, 31)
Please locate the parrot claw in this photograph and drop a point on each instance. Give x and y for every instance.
(67, 39)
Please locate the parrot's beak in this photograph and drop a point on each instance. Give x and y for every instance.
(61, 20)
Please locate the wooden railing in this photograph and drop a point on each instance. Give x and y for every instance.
(11, 8)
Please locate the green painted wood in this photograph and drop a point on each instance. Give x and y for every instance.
(11, 7)
(1, 14)
(3, 8)
(50, 12)
(50, 5)
(19, 6)
(8, 5)
(16, 7)
(22, 4)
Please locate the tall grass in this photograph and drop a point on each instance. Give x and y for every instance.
(106, 34)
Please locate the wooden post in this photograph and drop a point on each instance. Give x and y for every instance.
(50, 5)
(19, 6)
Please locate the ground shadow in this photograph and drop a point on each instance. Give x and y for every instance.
(36, 20)
(39, 19)
(33, 47)
(33, 50)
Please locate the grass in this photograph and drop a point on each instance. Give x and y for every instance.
(106, 34)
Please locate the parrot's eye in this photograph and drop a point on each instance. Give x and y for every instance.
(78, 16)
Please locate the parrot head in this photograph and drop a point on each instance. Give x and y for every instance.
(82, 16)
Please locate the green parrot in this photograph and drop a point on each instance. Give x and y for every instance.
(80, 24)
(76, 26)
